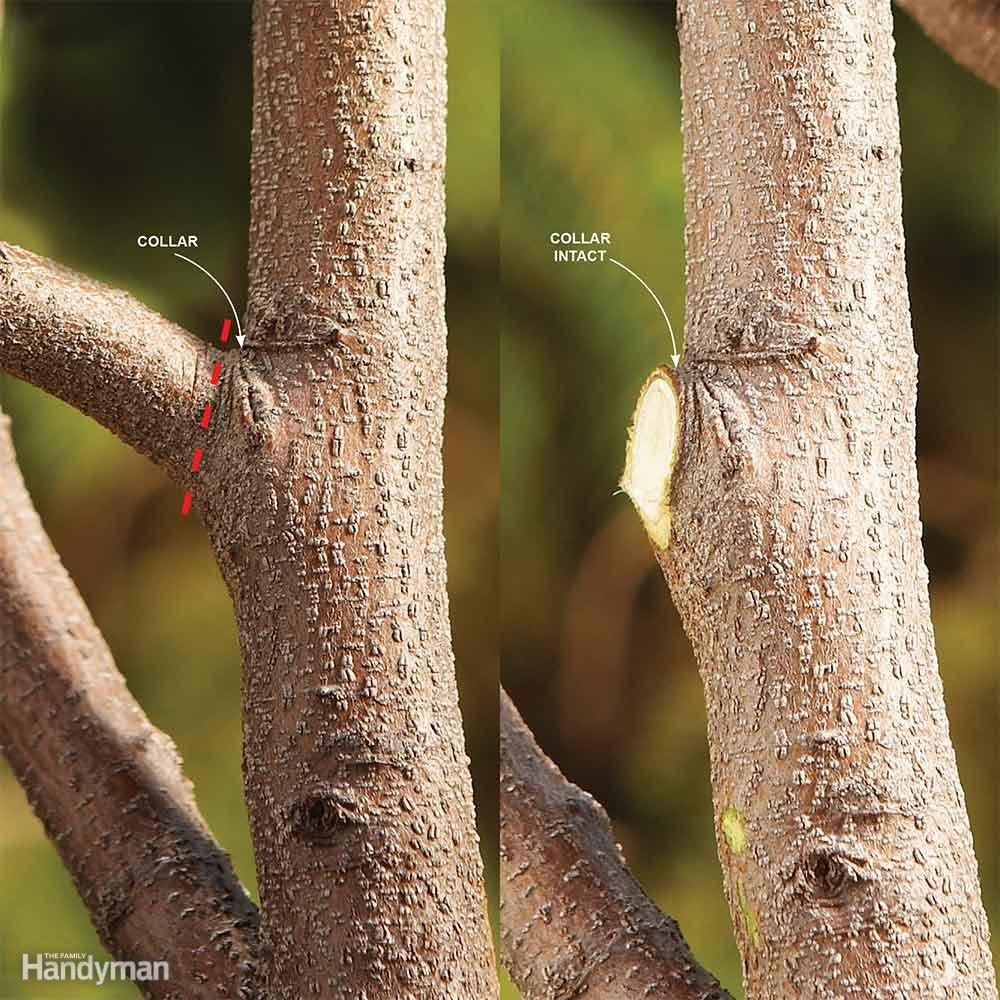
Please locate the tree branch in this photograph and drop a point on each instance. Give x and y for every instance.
(104, 353)
(968, 30)
(105, 783)
(573, 918)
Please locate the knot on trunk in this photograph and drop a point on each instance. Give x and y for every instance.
(321, 816)
(829, 871)
(826, 874)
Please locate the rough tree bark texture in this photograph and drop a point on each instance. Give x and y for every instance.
(107, 785)
(969, 30)
(796, 559)
(574, 921)
(321, 489)
(100, 350)
(357, 780)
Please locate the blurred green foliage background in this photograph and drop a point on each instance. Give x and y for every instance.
(593, 652)
(127, 118)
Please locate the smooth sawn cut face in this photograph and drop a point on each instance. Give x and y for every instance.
(651, 454)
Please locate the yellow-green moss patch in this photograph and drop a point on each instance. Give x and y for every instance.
(734, 830)
(749, 916)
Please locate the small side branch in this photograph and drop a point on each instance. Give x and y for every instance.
(572, 915)
(105, 783)
(968, 30)
(104, 353)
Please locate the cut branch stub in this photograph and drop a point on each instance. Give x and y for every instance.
(651, 453)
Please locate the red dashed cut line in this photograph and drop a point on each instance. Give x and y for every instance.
(206, 419)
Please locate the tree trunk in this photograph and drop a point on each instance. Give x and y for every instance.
(324, 502)
(792, 544)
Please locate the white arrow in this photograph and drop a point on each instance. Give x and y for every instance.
(676, 356)
(240, 335)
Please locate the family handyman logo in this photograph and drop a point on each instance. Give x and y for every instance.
(62, 967)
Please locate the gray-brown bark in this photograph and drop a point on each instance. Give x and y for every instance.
(321, 489)
(326, 509)
(795, 558)
(106, 784)
(968, 30)
(574, 921)
(105, 353)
